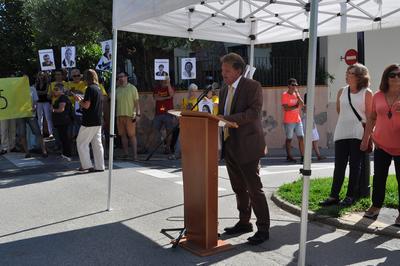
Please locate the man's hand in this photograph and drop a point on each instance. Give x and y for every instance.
(232, 125)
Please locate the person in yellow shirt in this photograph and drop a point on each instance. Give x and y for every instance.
(215, 97)
(127, 112)
(58, 79)
(187, 104)
(191, 100)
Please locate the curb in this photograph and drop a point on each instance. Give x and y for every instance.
(355, 221)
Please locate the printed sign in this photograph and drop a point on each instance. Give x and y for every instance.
(161, 69)
(188, 68)
(68, 57)
(46, 58)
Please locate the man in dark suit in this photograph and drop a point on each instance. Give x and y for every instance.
(241, 103)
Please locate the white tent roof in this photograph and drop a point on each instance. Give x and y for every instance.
(230, 20)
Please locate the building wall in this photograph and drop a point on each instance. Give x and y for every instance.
(271, 116)
(381, 49)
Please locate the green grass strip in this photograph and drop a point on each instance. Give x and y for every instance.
(320, 189)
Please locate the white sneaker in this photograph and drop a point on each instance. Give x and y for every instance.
(68, 159)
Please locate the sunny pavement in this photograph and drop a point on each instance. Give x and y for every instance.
(60, 218)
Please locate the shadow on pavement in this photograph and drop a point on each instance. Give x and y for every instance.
(351, 249)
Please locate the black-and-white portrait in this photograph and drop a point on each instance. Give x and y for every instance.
(68, 57)
(161, 69)
(46, 58)
(105, 62)
(188, 67)
(206, 105)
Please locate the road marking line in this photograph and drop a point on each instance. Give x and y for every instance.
(158, 173)
(19, 160)
(181, 183)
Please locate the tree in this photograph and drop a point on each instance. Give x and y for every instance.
(57, 23)
(32, 25)
(17, 39)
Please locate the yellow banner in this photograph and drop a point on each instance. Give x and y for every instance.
(15, 98)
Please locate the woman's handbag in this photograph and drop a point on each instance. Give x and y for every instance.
(370, 144)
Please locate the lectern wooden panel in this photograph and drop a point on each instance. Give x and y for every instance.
(199, 145)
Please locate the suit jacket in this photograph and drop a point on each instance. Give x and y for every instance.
(247, 142)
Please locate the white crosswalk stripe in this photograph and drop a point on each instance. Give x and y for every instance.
(158, 173)
(19, 160)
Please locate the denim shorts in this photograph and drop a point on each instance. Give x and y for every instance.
(291, 128)
(167, 120)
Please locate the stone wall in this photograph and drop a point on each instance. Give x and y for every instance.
(325, 116)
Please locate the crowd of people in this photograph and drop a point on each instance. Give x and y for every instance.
(61, 111)
(75, 110)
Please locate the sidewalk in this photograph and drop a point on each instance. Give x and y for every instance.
(383, 225)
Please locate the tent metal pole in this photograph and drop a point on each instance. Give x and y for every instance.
(306, 171)
(252, 40)
(251, 63)
(112, 116)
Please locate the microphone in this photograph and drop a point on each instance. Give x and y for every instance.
(214, 85)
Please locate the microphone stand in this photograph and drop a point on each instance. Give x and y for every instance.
(205, 92)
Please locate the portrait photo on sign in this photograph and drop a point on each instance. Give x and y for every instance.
(161, 69)
(46, 58)
(105, 59)
(206, 105)
(188, 68)
(68, 57)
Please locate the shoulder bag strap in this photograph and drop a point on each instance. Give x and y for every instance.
(352, 107)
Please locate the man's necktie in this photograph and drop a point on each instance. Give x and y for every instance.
(228, 110)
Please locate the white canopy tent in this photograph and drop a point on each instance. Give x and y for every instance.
(253, 22)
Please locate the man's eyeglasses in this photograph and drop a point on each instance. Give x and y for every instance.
(76, 76)
(392, 75)
(294, 85)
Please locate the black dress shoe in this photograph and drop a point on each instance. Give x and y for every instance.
(346, 202)
(258, 238)
(329, 202)
(239, 228)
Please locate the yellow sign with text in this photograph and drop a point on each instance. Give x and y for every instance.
(15, 98)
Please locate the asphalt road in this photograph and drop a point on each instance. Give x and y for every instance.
(50, 215)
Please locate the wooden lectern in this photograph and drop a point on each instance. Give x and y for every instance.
(199, 147)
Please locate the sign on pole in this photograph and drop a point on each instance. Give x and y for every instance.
(46, 58)
(351, 57)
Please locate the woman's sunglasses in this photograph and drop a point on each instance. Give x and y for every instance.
(392, 75)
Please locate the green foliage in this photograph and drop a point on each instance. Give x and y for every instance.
(320, 189)
(88, 55)
(16, 39)
(31, 25)
(57, 23)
